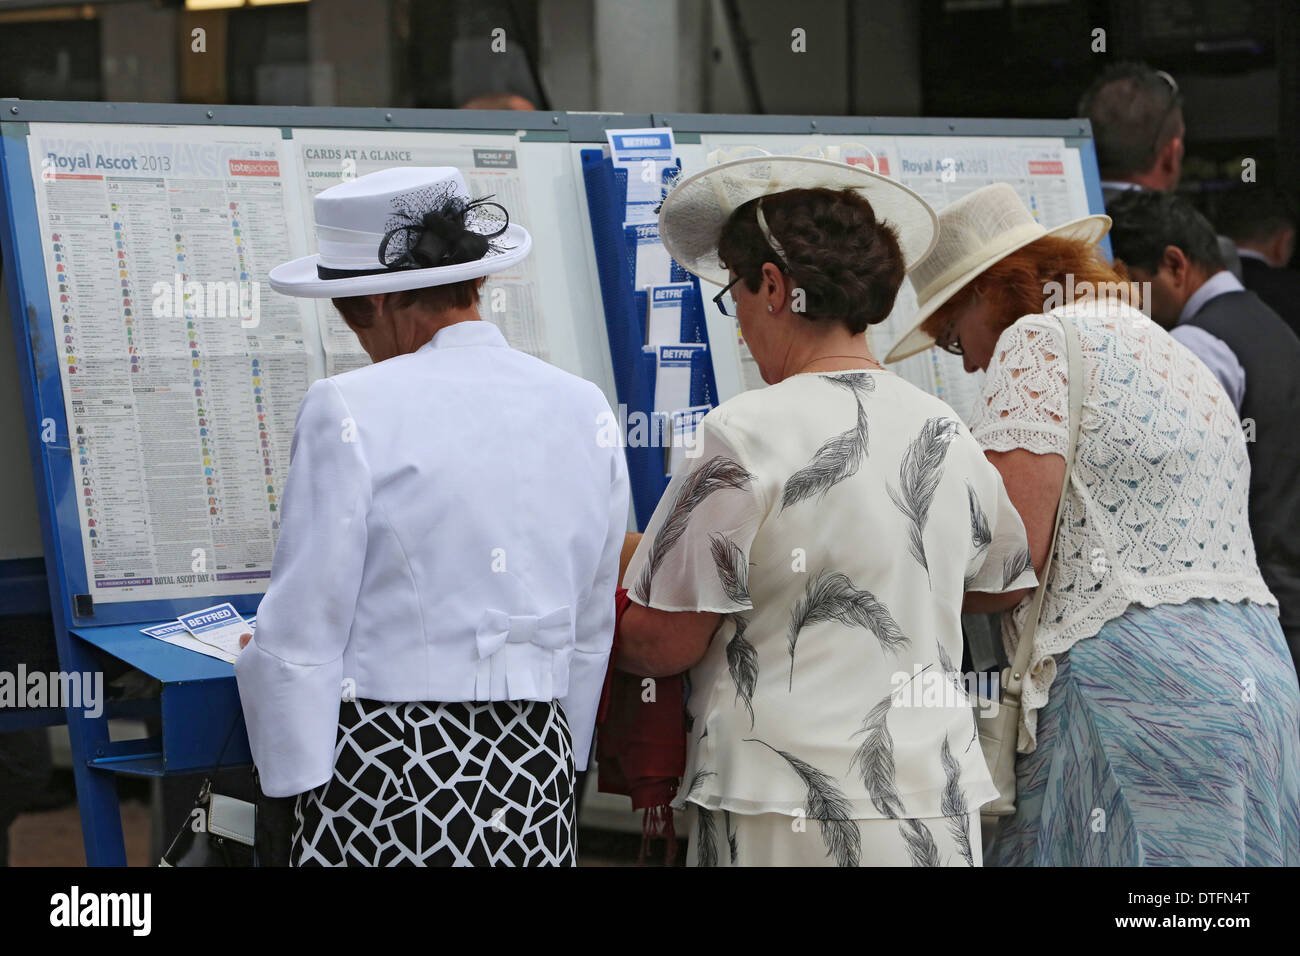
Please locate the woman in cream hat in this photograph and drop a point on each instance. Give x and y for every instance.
(807, 566)
(430, 651)
(1139, 744)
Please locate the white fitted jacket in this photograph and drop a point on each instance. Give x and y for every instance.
(450, 531)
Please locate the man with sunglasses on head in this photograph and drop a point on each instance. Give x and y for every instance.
(1138, 129)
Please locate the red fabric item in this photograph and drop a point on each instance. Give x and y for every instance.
(641, 744)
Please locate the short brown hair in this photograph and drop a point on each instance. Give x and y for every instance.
(847, 262)
(1132, 108)
(359, 313)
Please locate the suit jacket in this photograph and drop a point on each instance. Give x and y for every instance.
(1270, 353)
(450, 531)
(1279, 289)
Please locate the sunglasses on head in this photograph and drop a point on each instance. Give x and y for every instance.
(1174, 103)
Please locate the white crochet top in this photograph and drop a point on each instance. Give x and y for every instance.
(1156, 507)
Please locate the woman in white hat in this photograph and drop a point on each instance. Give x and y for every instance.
(1161, 710)
(430, 652)
(808, 564)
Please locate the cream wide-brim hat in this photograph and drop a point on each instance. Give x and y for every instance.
(975, 232)
(694, 212)
(353, 218)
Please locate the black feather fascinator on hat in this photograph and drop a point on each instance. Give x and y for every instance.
(449, 231)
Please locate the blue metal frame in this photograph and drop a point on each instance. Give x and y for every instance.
(1091, 180)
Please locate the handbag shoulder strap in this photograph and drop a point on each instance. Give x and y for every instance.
(1074, 359)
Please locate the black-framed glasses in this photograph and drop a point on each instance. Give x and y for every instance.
(725, 303)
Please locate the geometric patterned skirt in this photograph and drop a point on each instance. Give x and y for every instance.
(487, 783)
(1170, 738)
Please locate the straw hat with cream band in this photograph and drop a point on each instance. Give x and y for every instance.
(975, 232)
(409, 227)
(694, 212)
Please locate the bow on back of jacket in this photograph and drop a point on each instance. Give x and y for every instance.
(552, 630)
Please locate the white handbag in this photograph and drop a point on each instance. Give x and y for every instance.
(1000, 729)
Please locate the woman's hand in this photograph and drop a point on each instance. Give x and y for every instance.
(243, 640)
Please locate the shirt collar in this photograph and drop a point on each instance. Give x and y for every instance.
(1215, 285)
(1252, 254)
(473, 332)
(1119, 185)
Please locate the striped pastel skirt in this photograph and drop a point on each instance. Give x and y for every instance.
(1171, 738)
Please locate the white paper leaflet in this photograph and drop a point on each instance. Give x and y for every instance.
(653, 264)
(219, 627)
(175, 633)
(673, 376)
(645, 154)
(664, 312)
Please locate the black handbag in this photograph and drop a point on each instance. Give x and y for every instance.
(220, 830)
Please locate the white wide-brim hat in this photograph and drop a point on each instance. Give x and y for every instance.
(975, 232)
(694, 212)
(354, 218)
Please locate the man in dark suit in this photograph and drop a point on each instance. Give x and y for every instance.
(1137, 126)
(1162, 240)
(1263, 225)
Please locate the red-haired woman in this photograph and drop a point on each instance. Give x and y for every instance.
(1162, 713)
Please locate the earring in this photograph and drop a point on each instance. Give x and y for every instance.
(769, 308)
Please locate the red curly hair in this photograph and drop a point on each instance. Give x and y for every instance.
(1026, 282)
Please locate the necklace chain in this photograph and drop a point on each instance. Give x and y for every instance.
(822, 358)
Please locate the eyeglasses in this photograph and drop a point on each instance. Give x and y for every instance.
(725, 303)
(952, 345)
(1174, 103)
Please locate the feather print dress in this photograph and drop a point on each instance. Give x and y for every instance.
(835, 520)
